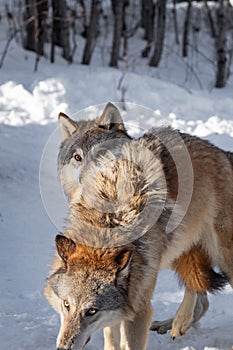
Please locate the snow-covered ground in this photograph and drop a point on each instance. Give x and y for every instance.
(29, 105)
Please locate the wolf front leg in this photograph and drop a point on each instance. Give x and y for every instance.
(134, 334)
(112, 338)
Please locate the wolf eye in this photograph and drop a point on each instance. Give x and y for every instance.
(66, 304)
(90, 312)
(77, 157)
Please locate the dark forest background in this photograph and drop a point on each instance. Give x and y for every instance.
(56, 27)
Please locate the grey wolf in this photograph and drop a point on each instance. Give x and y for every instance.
(110, 287)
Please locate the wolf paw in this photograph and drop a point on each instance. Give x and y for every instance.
(179, 326)
(161, 327)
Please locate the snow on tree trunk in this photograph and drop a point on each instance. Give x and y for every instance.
(160, 32)
(92, 31)
(221, 40)
(117, 6)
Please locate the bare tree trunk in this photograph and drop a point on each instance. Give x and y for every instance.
(84, 17)
(118, 6)
(125, 33)
(30, 20)
(143, 16)
(92, 31)
(66, 35)
(186, 29)
(42, 11)
(174, 12)
(230, 55)
(12, 34)
(148, 12)
(57, 27)
(53, 37)
(210, 18)
(221, 39)
(60, 29)
(160, 33)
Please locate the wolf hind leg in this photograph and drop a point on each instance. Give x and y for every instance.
(201, 306)
(112, 338)
(134, 334)
(185, 314)
(193, 307)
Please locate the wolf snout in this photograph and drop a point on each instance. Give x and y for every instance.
(62, 348)
(65, 348)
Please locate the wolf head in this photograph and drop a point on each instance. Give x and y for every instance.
(84, 140)
(88, 290)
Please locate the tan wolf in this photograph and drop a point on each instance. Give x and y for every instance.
(101, 281)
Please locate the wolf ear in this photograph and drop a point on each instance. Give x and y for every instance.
(68, 126)
(65, 247)
(111, 118)
(123, 260)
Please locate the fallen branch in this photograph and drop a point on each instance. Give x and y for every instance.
(11, 37)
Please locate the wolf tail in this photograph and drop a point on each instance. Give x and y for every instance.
(196, 273)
